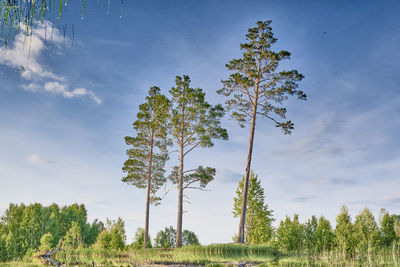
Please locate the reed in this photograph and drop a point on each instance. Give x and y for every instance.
(217, 255)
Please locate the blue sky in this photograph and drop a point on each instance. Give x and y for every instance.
(63, 120)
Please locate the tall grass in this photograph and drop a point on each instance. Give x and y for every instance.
(225, 254)
(219, 255)
(372, 257)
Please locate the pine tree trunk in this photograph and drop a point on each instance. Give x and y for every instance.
(178, 242)
(246, 180)
(146, 224)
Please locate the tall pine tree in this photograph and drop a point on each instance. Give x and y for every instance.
(147, 157)
(194, 123)
(257, 87)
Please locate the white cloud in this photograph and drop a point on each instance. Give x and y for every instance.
(36, 159)
(24, 55)
(61, 89)
(26, 52)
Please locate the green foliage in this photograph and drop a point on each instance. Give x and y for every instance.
(46, 242)
(189, 238)
(257, 84)
(149, 148)
(165, 238)
(103, 240)
(258, 226)
(145, 165)
(221, 254)
(324, 236)
(365, 231)
(310, 239)
(258, 87)
(22, 227)
(3, 251)
(397, 227)
(31, 221)
(194, 123)
(17, 16)
(93, 231)
(73, 213)
(112, 236)
(387, 229)
(118, 236)
(73, 238)
(12, 246)
(290, 234)
(344, 233)
(138, 240)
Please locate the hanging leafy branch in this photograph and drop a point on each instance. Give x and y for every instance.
(22, 15)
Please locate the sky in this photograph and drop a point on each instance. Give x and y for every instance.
(63, 120)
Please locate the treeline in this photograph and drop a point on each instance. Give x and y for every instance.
(23, 226)
(363, 236)
(27, 229)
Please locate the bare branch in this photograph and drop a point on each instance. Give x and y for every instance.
(193, 147)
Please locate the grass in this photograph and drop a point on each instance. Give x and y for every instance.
(197, 255)
(215, 255)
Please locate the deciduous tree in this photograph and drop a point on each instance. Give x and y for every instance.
(147, 157)
(290, 234)
(165, 238)
(365, 231)
(344, 233)
(310, 228)
(259, 87)
(387, 229)
(189, 238)
(324, 236)
(73, 238)
(194, 123)
(112, 235)
(117, 234)
(45, 242)
(138, 240)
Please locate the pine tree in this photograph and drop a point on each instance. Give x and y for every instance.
(147, 157)
(194, 123)
(258, 227)
(257, 87)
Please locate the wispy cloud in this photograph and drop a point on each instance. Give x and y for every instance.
(24, 56)
(335, 181)
(58, 88)
(36, 159)
(228, 176)
(302, 199)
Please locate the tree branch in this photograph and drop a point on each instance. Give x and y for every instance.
(193, 147)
